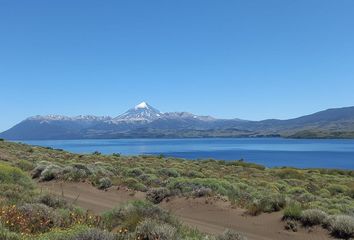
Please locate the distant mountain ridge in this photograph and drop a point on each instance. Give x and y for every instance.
(144, 121)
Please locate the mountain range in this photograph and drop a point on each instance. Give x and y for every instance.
(145, 121)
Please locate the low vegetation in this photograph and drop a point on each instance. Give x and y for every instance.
(26, 213)
(307, 196)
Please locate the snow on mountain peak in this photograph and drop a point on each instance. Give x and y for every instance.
(142, 105)
(53, 117)
(142, 112)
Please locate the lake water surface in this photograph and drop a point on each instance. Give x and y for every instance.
(302, 153)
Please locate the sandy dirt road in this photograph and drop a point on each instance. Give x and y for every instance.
(207, 215)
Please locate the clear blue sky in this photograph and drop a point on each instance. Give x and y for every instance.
(251, 59)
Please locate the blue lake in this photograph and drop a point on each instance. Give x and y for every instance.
(271, 152)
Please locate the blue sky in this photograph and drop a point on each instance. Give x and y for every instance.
(251, 59)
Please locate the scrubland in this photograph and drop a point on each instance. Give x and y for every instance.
(306, 197)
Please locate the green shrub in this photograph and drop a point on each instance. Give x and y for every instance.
(193, 174)
(15, 194)
(129, 215)
(13, 175)
(312, 217)
(169, 172)
(231, 235)
(273, 203)
(52, 201)
(37, 171)
(149, 179)
(267, 203)
(99, 168)
(337, 189)
(292, 211)
(150, 229)
(325, 193)
(157, 195)
(50, 172)
(25, 165)
(104, 183)
(134, 184)
(343, 226)
(186, 185)
(135, 172)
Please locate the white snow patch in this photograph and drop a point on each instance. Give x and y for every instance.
(141, 105)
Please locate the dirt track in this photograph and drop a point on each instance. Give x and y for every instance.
(206, 215)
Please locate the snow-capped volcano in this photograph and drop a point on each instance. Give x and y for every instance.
(142, 112)
(144, 121)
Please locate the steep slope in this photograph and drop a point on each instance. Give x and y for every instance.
(142, 113)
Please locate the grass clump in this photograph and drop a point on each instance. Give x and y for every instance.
(292, 211)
